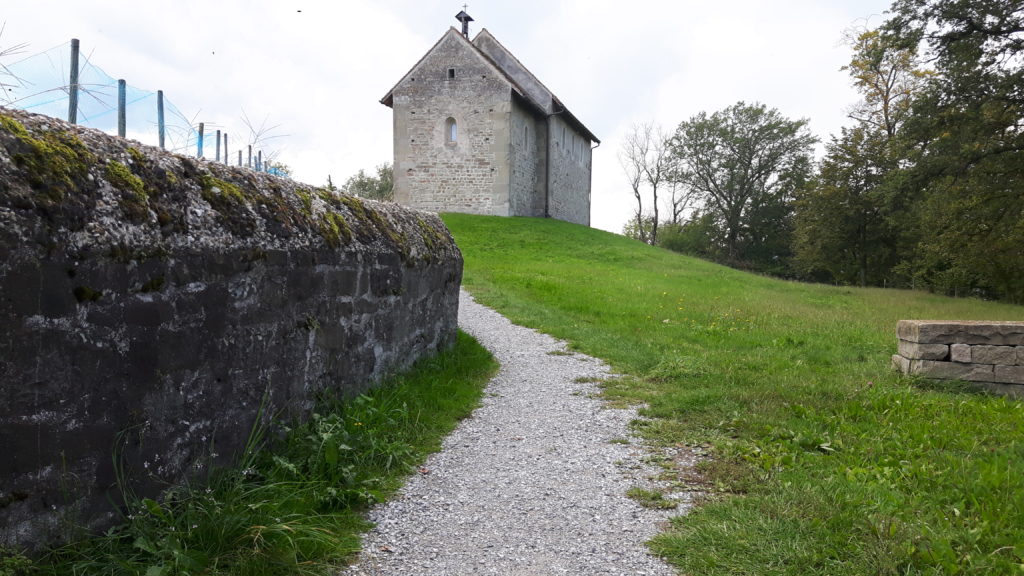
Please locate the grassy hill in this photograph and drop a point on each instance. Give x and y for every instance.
(824, 461)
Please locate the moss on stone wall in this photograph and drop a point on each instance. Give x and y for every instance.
(220, 193)
(334, 228)
(53, 163)
(120, 176)
(375, 223)
(134, 200)
(68, 175)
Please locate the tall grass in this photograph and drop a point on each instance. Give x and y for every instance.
(294, 505)
(823, 460)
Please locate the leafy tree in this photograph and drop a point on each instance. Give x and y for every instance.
(888, 76)
(639, 229)
(745, 163)
(699, 236)
(379, 187)
(843, 227)
(967, 130)
(646, 161)
(851, 224)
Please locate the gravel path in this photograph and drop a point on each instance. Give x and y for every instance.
(533, 483)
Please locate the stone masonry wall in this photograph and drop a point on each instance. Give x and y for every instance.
(570, 174)
(153, 306)
(526, 197)
(468, 175)
(990, 354)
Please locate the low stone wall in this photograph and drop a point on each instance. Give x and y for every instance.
(153, 306)
(990, 354)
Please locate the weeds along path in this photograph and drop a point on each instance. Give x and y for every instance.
(533, 483)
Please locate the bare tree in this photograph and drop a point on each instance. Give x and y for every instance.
(262, 135)
(680, 198)
(6, 72)
(646, 160)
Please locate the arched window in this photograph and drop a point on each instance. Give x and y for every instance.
(451, 131)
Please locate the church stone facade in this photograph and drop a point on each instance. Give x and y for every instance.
(476, 132)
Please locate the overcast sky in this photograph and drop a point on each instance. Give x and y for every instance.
(318, 69)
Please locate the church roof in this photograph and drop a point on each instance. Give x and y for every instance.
(525, 86)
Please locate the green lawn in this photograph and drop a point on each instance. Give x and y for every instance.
(824, 461)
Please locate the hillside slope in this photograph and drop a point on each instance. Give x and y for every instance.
(834, 465)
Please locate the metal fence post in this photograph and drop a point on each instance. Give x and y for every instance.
(73, 86)
(122, 122)
(160, 115)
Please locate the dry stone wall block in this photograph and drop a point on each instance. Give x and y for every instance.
(990, 354)
(1009, 374)
(923, 351)
(967, 332)
(952, 370)
(901, 363)
(960, 353)
(1005, 355)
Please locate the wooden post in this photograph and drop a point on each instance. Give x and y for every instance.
(122, 123)
(73, 85)
(160, 115)
(248, 161)
(199, 151)
(239, 158)
(226, 161)
(259, 161)
(218, 145)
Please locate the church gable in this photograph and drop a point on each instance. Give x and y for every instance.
(452, 58)
(451, 116)
(474, 131)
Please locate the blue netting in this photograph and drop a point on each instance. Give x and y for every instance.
(39, 84)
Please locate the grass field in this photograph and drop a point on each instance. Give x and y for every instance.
(823, 460)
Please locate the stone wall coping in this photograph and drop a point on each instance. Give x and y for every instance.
(961, 332)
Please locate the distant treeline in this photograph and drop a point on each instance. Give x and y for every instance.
(925, 189)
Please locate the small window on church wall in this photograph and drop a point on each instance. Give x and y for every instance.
(451, 73)
(451, 131)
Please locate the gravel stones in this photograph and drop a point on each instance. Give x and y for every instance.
(533, 483)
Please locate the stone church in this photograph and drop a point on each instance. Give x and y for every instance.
(476, 132)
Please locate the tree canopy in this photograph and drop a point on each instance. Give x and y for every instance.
(745, 163)
(967, 163)
(925, 188)
(377, 187)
